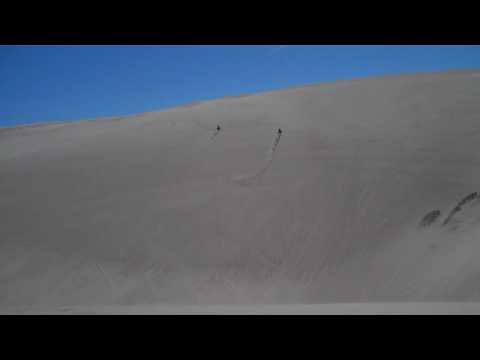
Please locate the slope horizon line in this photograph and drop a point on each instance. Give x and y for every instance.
(244, 95)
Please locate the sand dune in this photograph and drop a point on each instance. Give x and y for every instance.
(359, 201)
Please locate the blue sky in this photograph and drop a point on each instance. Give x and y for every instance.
(65, 83)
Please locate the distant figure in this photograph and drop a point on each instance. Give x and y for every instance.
(279, 131)
(216, 132)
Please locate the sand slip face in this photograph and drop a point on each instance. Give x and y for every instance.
(361, 199)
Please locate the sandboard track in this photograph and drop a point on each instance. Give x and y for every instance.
(248, 180)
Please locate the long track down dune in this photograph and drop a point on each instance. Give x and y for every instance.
(369, 195)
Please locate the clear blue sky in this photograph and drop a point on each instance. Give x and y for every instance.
(63, 83)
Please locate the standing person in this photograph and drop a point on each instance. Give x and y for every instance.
(216, 132)
(277, 140)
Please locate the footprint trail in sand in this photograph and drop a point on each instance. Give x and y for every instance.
(251, 179)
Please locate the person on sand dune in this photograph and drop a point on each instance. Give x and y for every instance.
(217, 131)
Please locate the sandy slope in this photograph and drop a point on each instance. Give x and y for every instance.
(369, 308)
(154, 209)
